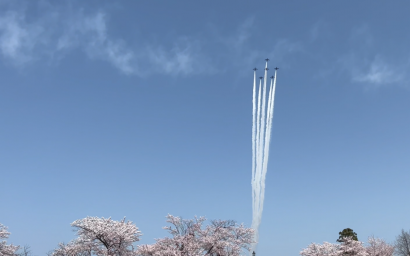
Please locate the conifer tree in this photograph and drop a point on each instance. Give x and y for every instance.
(347, 232)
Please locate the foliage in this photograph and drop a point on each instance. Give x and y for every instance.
(402, 244)
(101, 237)
(6, 249)
(325, 249)
(73, 248)
(106, 237)
(347, 232)
(220, 238)
(25, 251)
(378, 247)
(350, 247)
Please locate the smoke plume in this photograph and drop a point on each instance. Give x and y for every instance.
(262, 116)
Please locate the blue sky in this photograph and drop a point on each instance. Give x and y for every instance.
(144, 108)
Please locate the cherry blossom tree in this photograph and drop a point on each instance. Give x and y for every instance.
(101, 237)
(74, 248)
(220, 238)
(325, 249)
(25, 251)
(351, 247)
(6, 249)
(378, 247)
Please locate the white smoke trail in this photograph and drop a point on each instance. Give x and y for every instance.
(262, 128)
(260, 147)
(261, 142)
(258, 122)
(267, 143)
(257, 167)
(263, 155)
(268, 125)
(253, 136)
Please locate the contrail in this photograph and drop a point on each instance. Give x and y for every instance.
(262, 128)
(262, 117)
(255, 191)
(258, 131)
(253, 132)
(267, 143)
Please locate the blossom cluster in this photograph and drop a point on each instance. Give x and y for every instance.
(6, 249)
(220, 238)
(350, 247)
(101, 237)
(106, 237)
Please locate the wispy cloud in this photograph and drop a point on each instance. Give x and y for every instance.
(25, 39)
(183, 58)
(59, 32)
(98, 44)
(240, 40)
(243, 51)
(368, 66)
(285, 47)
(378, 73)
(17, 38)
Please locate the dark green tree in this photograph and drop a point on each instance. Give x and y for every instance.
(402, 244)
(346, 233)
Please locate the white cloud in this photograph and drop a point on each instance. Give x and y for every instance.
(374, 71)
(89, 33)
(284, 47)
(17, 38)
(99, 45)
(378, 73)
(60, 32)
(240, 47)
(243, 34)
(176, 61)
(365, 65)
(62, 29)
(184, 58)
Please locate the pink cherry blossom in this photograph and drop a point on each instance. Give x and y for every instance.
(350, 247)
(378, 247)
(220, 238)
(101, 237)
(6, 249)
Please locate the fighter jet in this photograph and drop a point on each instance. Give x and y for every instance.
(266, 68)
(272, 77)
(261, 77)
(267, 59)
(276, 68)
(255, 69)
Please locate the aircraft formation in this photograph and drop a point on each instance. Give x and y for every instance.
(262, 116)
